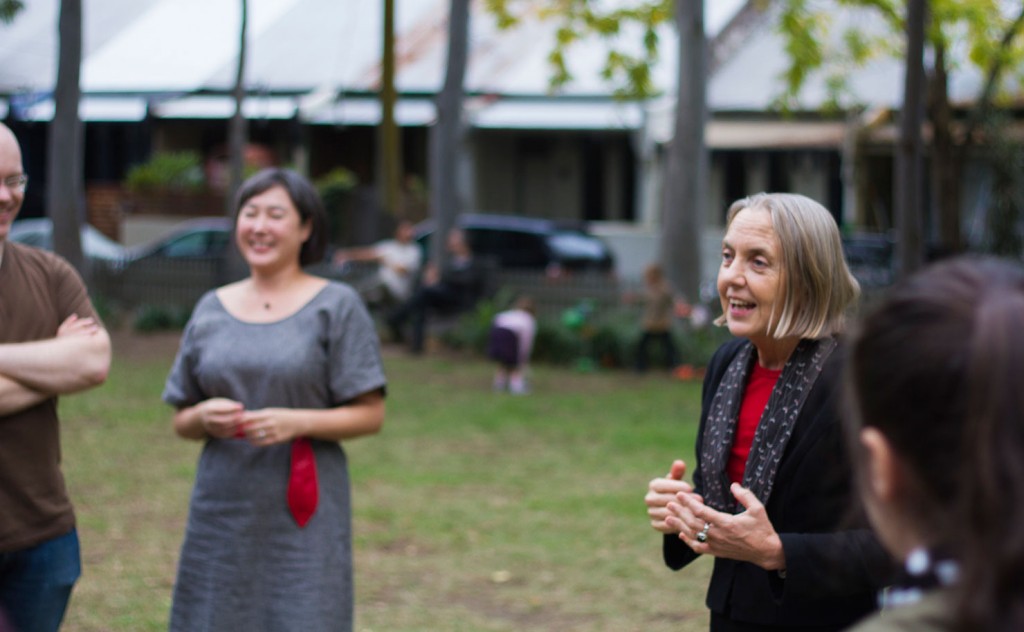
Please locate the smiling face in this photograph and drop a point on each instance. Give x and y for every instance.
(10, 165)
(750, 277)
(269, 230)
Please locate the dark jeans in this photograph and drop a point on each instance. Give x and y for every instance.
(35, 583)
(429, 298)
(662, 338)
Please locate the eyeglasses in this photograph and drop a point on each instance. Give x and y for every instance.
(15, 183)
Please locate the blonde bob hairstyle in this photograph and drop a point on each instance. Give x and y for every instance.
(817, 286)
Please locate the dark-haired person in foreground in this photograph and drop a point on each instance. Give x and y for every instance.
(938, 445)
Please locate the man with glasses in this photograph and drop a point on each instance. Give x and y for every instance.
(51, 343)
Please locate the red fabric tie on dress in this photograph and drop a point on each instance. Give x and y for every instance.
(303, 492)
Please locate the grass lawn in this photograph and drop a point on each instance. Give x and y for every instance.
(473, 510)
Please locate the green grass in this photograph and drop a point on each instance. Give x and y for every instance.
(473, 510)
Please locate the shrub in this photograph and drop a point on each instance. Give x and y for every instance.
(167, 171)
(335, 188)
(474, 327)
(106, 310)
(152, 318)
(607, 339)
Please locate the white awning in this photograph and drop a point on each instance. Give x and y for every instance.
(775, 134)
(366, 111)
(554, 114)
(92, 109)
(223, 107)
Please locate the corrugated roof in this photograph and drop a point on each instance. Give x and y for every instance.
(296, 45)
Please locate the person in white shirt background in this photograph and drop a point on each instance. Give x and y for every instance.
(399, 259)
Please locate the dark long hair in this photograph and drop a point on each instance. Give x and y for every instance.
(306, 200)
(937, 368)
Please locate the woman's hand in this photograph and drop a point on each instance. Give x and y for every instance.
(662, 491)
(747, 536)
(269, 426)
(220, 417)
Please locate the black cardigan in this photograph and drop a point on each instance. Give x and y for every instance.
(833, 571)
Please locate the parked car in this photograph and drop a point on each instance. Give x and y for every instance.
(870, 257)
(207, 237)
(175, 268)
(178, 267)
(519, 243)
(97, 247)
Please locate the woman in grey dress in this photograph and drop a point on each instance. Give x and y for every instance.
(269, 367)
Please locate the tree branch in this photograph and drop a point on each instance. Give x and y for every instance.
(984, 102)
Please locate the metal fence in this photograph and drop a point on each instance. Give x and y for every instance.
(180, 284)
(553, 295)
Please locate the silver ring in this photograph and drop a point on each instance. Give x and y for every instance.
(703, 535)
(262, 433)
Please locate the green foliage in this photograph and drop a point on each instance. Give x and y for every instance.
(474, 327)
(555, 344)
(167, 171)
(153, 318)
(803, 46)
(9, 9)
(608, 338)
(620, 28)
(335, 188)
(106, 310)
(336, 181)
(1005, 216)
(982, 27)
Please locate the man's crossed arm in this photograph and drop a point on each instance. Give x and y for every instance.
(77, 358)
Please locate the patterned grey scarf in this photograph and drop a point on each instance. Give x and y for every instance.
(773, 431)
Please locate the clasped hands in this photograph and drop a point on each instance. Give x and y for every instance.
(225, 418)
(674, 508)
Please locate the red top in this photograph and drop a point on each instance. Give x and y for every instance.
(755, 399)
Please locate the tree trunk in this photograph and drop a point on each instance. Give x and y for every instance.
(389, 146)
(237, 128)
(447, 133)
(65, 177)
(685, 194)
(946, 174)
(978, 117)
(233, 266)
(909, 171)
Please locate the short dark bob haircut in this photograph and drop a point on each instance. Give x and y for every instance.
(306, 200)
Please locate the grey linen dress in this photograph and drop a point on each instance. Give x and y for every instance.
(245, 564)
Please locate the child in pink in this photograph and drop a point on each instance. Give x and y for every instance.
(511, 343)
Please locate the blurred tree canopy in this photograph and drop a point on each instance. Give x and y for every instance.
(982, 33)
(627, 66)
(10, 8)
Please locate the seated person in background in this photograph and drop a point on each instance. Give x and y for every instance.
(937, 437)
(455, 288)
(511, 343)
(399, 261)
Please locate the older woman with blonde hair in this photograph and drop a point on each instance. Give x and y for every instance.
(771, 489)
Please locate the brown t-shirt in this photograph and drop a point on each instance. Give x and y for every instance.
(38, 290)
